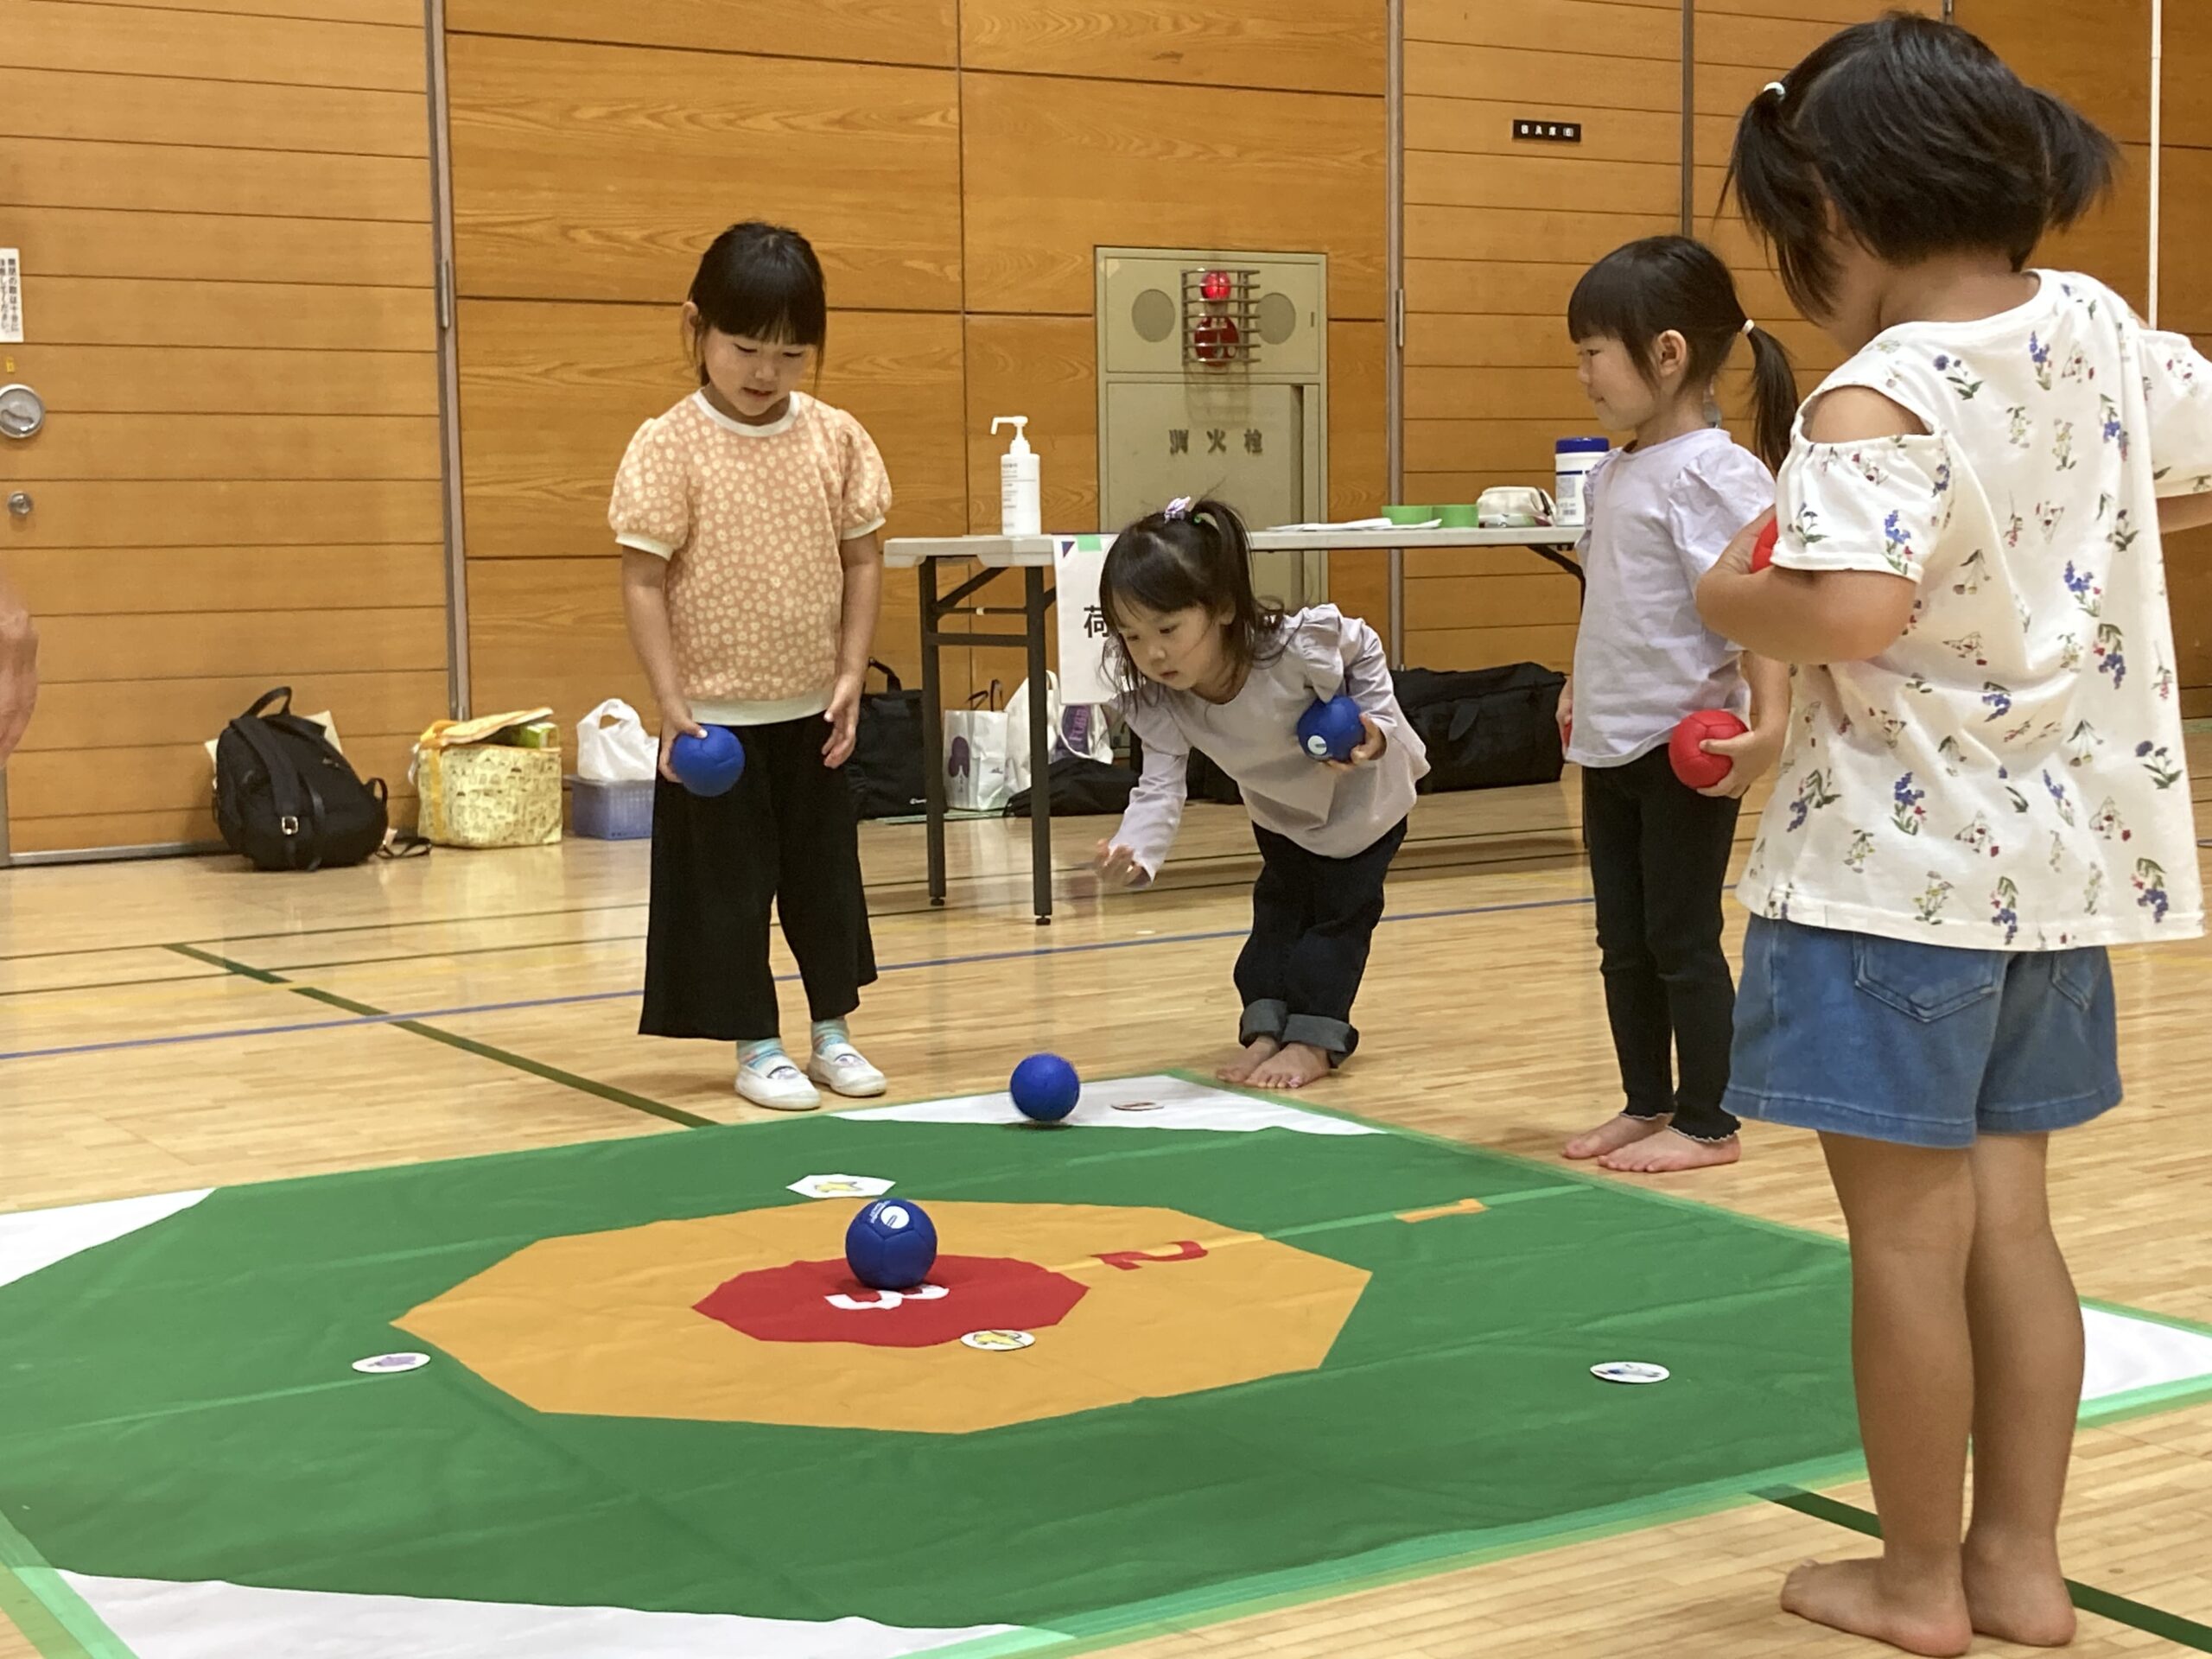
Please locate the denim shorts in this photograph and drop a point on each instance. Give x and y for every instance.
(1924, 1044)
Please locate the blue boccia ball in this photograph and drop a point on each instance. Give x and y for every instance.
(891, 1245)
(1045, 1088)
(710, 765)
(1330, 730)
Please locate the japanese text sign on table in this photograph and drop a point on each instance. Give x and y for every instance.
(1077, 562)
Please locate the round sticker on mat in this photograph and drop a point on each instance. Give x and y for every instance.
(1630, 1371)
(999, 1342)
(841, 1186)
(1136, 1105)
(384, 1365)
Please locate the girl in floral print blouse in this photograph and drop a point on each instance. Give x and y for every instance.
(1983, 786)
(751, 578)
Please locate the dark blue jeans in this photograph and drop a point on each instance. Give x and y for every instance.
(1313, 920)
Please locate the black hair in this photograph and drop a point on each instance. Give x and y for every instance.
(1922, 141)
(761, 281)
(1636, 293)
(1185, 555)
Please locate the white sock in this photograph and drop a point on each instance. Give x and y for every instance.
(829, 1031)
(748, 1052)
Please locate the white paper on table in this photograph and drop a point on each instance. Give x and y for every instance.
(1347, 523)
(1077, 562)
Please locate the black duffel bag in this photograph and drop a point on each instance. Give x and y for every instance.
(885, 771)
(1082, 788)
(1485, 728)
(286, 799)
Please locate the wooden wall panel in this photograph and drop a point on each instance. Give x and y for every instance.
(544, 427)
(1321, 46)
(2185, 303)
(1054, 168)
(1047, 369)
(1497, 232)
(402, 14)
(224, 215)
(601, 173)
(82, 36)
(161, 311)
(162, 110)
(2185, 230)
(161, 178)
(861, 31)
(2097, 58)
(580, 146)
(1639, 31)
(208, 247)
(127, 379)
(81, 715)
(551, 394)
(154, 580)
(1359, 583)
(225, 513)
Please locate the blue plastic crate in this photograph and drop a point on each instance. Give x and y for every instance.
(611, 811)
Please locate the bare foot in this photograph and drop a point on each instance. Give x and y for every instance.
(1296, 1067)
(1665, 1155)
(2018, 1599)
(1855, 1597)
(1618, 1131)
(1256, 1053)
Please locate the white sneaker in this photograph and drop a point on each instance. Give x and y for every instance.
(842, 1068)
(770, 1079)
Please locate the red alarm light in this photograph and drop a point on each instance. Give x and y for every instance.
(1213, 339)
(1214, 285)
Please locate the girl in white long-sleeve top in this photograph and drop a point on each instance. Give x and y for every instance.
(1207, 666)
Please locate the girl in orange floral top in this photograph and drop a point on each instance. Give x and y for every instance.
(752, 576)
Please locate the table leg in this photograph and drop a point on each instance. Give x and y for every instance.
(1034, 600)
(933, 731)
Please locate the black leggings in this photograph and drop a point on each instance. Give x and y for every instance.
(1659, 856)
(1313, 920)
(785, 833)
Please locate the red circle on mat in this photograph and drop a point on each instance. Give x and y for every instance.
(820, 1301)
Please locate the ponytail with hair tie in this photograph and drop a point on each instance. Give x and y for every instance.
(1191, 555)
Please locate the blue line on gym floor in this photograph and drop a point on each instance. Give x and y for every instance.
(184, 1037)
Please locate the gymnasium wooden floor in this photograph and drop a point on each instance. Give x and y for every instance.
(187, 1024)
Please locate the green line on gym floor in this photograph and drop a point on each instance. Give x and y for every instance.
(226, 964)
(2103, 1603)
(606, 1091)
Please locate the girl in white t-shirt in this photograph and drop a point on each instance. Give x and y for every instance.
(1653, 324)
(1984, 786)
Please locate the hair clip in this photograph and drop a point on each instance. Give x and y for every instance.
(1749, 327)
(1779, 90)
(1178, 508)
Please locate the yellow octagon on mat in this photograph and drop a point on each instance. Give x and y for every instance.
(605, 1324)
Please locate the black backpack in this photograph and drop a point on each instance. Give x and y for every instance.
(286, 799)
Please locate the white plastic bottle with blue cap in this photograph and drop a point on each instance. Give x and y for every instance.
(1573, 462)
(1021, 505)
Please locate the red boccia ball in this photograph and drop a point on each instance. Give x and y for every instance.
(1763, 549)
(1692, 764)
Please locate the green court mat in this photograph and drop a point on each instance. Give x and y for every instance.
(1218, 1363)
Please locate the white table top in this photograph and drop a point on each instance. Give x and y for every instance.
(905, 552)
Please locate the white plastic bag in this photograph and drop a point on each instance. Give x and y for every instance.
(1075, 728)
(978, 754)
(612, 746)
